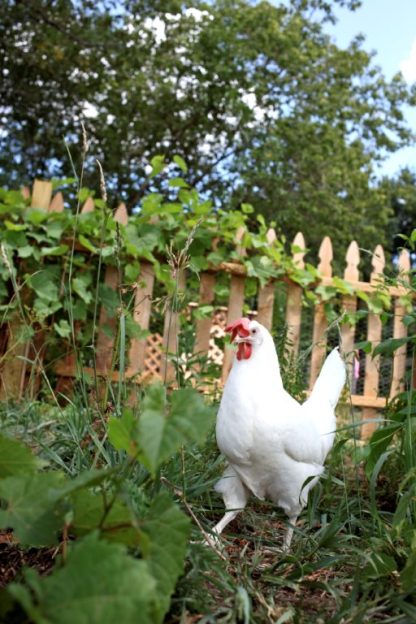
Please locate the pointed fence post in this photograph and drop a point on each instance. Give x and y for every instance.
(141, 315)
(13, 374)
(171, 334)
(57, 203)
(67, 366)
(349, 304)
(203, 326)
(265, 302)
(374, 330)
(400, 330)
(105, 342)
(320, 322)
(294, 295)
(235, 303)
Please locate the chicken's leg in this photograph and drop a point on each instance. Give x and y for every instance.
(287, 540)
(235, 496)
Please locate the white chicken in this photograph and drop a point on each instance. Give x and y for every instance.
(275, 446)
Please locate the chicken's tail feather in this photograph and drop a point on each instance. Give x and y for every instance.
(331, 379)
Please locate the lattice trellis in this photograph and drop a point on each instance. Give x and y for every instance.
(217, 330)
(153, 356)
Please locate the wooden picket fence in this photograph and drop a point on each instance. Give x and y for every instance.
(149, 358)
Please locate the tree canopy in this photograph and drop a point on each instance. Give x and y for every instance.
(256, 98)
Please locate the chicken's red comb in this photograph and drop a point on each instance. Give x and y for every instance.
(240, 326)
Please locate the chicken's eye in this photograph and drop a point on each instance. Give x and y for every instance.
(254, 331)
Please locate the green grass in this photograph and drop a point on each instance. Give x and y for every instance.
(348, 553)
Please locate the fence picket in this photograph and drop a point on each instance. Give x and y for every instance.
(235, 311)
(400, 330)
(141, 315)
(349, 304)
(105, 342)
(57, 203)
(203, 326)
(265, 301)
(18, 355)
(13, 374)
(171, 333)
(374, 330)
(294, 295)
(88, 206)
(320, 322)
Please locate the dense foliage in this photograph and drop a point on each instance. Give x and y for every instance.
(265, 108)
(107, 485)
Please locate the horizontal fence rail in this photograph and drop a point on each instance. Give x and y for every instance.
(148, 358)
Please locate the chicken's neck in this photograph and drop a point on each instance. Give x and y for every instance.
(261, 368)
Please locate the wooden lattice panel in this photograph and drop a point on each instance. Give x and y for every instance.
(219, 321)
(153, 356)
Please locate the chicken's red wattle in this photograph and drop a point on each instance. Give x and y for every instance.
(244, 350)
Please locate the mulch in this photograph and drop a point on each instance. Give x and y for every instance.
(13, 558)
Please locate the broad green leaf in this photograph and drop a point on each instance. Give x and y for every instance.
(100, 583)
(63, 328)
(16, 459)
(36, 215)
(164, 428)
(166, 529)
(388, 347)
(34, 508)
(44, 286)
(87, 244)
(55, 227)
(89, 514)
(80, 286)
(26, 251)
(121, 432)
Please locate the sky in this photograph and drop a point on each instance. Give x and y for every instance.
(389, 27)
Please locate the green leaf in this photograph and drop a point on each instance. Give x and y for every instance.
(87, 244)
(99, 583)
(44, 286)
(177, 183)
(158, 164)
(89, 513)
(36, 215)
(388, 347)
(166, 529)
(34, 510)
(14, 227)
(164, 428)
(181, 163)
(62, 328)
(26, 251)
(59, 250)
(121, 432)
(80, 286)
(16, 459)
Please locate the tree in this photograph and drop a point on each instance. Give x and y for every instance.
(256, 99)
(400, 193)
